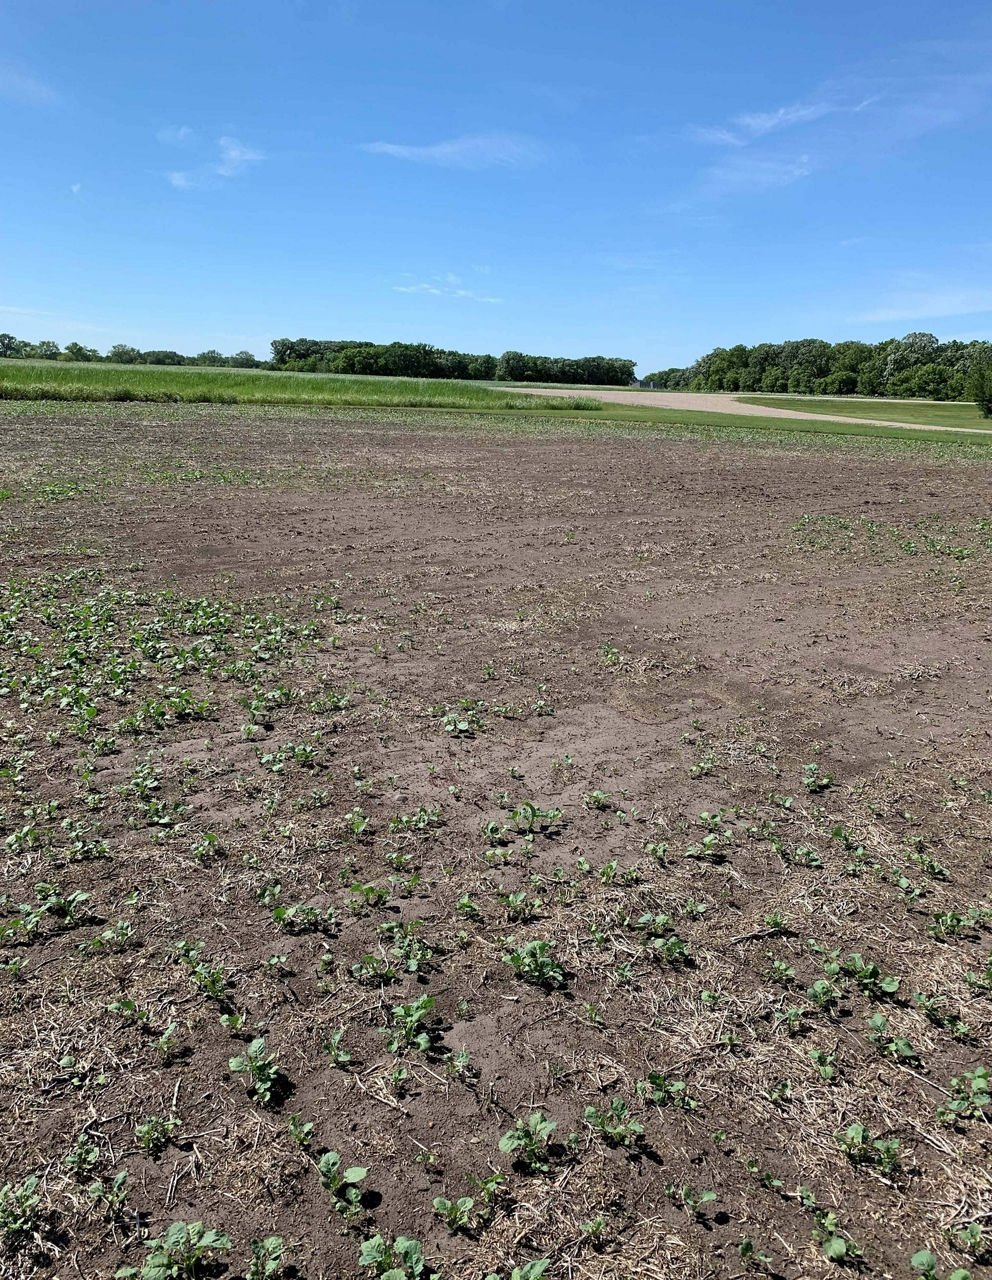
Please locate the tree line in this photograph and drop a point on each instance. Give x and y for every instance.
(918, 365)
(394, 359)
(20, 349)
(421, 360)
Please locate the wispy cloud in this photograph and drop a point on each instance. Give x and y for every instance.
(175, 135)
(25, 90)
(716, 136)
(870, 110)
(758, 123)
(447, 285)
(745, 172)
(473, 151)
(233, 159)
(75, 188)
(748, 126)
(643, 260)
(25, 311)
(748, 166)
(53, 320)
(566, 98)
(927, 304)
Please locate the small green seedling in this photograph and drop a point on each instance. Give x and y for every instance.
(83, 1156)
(372, 969)
(178, 1253)
(534, 962)
(869, 977)
(663, 1092)
(259, 1069)
(835, 1246)
(815, 780)
(791, 1019)
(752, 1258)
(154, 1133)
(332, 1047)
(343, 1184)
(970, 1095)
(529, 1271)
(401, 1260)
(130, 1011)
(301, 1131)
(528, 1141)
(971, 1238)
(112, 1196)
(614, 1124)
(266, 1258)
(926, 1264)
(519, 907)
(691, 1199)
(889, 1046)
(407, 945)
(825, 1063)
(19, 1216)
(824, 993)
(861, 1148)
(981, 981)
(365, 897)
(110, 941)
(674, 951)
(456, 1214)
(656, 925)
(409, 1030)
(935, 1008)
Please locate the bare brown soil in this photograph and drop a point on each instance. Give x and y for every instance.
(748, 689)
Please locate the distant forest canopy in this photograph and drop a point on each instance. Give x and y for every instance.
(420, 360)
(20, 349)
(395, 359)
(903, 368)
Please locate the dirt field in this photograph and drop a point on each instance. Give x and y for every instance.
(316, 729)
(714, 403)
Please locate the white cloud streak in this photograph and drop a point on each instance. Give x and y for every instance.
(752, 125)
(234, 159)
(759, 123)
(447, 285)
(715, 136)
(870, 111)
(473, 151)
(24, 90)
(746, 172)
(175, 135)
(930, 304)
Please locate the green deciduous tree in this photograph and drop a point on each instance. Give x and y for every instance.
(978, 386)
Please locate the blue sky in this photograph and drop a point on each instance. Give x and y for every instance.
(564, 177)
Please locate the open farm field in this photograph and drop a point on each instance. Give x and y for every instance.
(492, 846)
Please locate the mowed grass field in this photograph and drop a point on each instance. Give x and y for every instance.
(931, 413)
